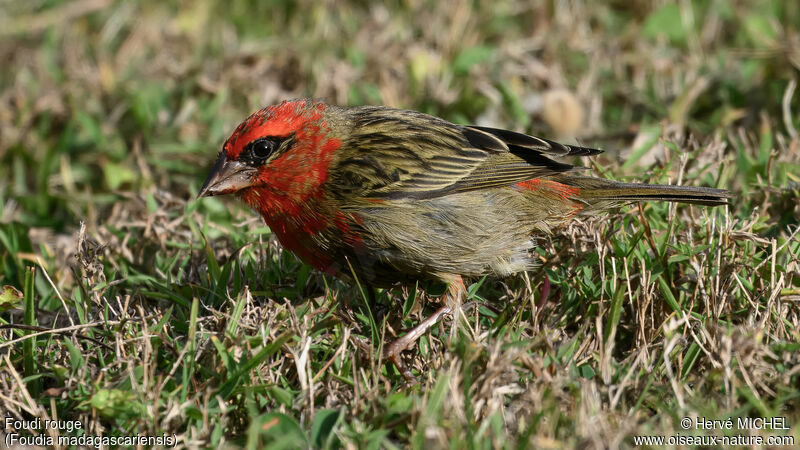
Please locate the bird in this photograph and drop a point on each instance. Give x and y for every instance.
(390, 196)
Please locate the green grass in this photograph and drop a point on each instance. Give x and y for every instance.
(138, 309)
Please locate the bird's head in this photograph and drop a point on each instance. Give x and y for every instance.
(279, 153)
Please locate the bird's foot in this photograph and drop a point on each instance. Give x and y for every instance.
(393, 351)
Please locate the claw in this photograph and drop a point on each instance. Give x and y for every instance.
(392, 351)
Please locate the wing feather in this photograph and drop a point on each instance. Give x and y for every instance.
(393, 153)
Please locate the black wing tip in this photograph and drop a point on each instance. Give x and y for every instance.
(572, 150)
(507, 136)
(575, 150)
(513, 138)
(484, 140)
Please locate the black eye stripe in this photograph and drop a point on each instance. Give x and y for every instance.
(258, 151)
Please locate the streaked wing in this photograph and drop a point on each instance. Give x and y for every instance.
(404, 154)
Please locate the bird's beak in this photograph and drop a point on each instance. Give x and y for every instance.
(227, 177)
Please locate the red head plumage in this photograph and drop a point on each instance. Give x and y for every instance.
(278, 121)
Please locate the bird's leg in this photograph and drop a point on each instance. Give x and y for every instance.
(455, 290)
(393, 350)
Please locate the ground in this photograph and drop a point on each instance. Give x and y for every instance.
(129, 306)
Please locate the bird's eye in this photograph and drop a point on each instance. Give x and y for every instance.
(257, 152)
(262, 148)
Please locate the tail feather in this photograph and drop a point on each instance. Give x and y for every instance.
(595, 190)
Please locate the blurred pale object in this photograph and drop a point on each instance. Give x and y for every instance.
(563, 112)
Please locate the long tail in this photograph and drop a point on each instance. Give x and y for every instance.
(599, 190)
